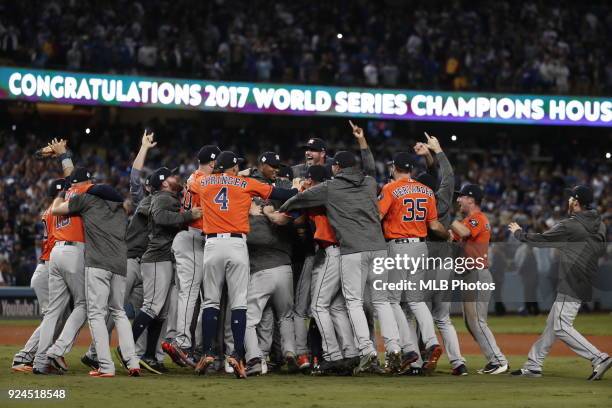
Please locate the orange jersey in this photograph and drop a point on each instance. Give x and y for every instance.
(48, 241)
(191, 196)
(226, 200)
(406, 206)
(477, 244)
(323, 229)
(70, 227)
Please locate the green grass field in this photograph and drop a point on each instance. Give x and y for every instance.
(564, 383)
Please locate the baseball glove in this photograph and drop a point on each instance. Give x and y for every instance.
(44, 153)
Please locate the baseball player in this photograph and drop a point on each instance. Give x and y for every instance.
(315, 153)
(101, 209)
(408, 210)
(440, 300)
(328, 304)
(188, 250)
(581, 241)
(475, 232)
(351, 206)
(137, 238)
(66, 279)
(271, 277)
(23, 360)
(157, 261)
(226, 200)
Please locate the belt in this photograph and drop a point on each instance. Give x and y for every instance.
(225, 235)
(68, 243)
(406, 240)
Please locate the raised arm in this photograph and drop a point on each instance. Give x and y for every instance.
(367, 158)
(63, 154)
(136, 189)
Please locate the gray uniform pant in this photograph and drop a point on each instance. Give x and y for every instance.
(355, 274)
(66, 278)
(226, 259)
(301, 312)
(40, 284)
(275, 284)
(560, 325)
(475, 311)
(133, 295)
(156, 284)
(105, 292)
(188, 249)
(415, 298)
(329, 309)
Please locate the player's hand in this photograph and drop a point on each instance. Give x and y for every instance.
(57, 146)
(268, 209)
(297, 183)
(357, 131)
(421, 149)
(147, 140)
(513, 227)
(196, 212)
(433, 143)
(255, 209)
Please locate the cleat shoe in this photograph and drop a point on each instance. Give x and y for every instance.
(394, 362)
(149, 365)
(494, 369)
(431, 357)
(171, 350)
(254, 367)
(90, 362)
(202, 366)
(238, 366)
(414, 372)
(407, 359)
(134, 372)
(292, 365)
(376, 368)
(365, 362)
(120, 358)
(19, 367)
(524, 372)
(303, 362)
(58, 363)
(460, 371)
(99, 374)
(228, 368)
(600, 369)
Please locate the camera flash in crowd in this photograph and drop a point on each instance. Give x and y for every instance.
(14, 127)
(608, 155)
(87, 131)
(339, 36)
(454, 138)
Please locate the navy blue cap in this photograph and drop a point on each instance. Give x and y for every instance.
(208, 153)
(344, 159)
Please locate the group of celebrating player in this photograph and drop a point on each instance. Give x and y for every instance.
(248, 271)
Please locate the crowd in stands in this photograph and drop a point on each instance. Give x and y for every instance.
(521, 182)
(533, 46)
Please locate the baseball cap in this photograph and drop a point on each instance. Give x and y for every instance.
(582, 193)
(427, 179)
(208, 153)
(344, 159)
(227, 160)
(148, 180)
(270, 158)
(317, 173)
(159, 175)
(79, 174)
(55, 187)
(315, 144)
(285, 171)
(403, 161)
(471, 190)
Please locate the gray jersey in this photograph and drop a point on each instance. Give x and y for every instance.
(444, 194)
(351, 203)
(105, 224)
(165, 222)
(137, 236)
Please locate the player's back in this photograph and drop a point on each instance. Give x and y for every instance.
(192, 196)
(407, 206)
(225, 201)
(48, 240)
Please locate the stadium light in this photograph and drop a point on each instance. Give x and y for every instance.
(87, 131)
(339, 36)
